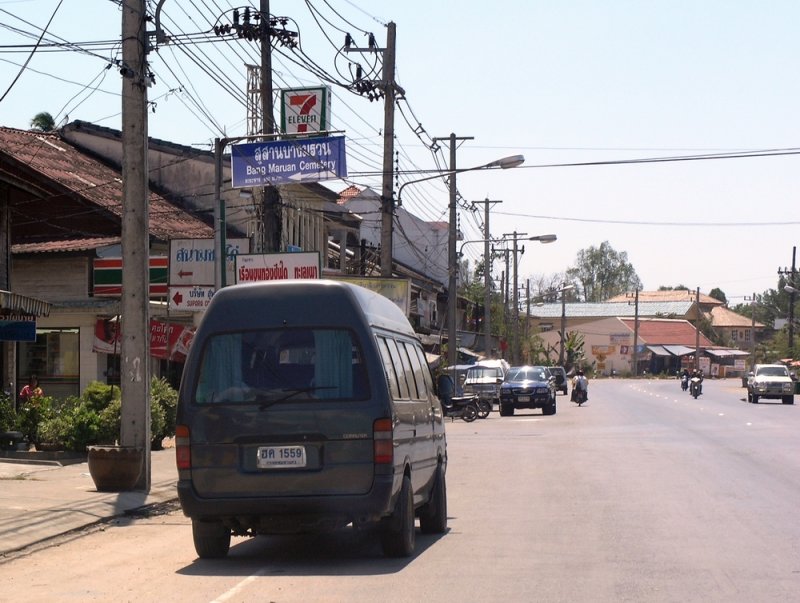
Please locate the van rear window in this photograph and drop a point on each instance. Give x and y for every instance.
(281, 364)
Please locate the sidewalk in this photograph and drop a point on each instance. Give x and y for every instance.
(42, 501)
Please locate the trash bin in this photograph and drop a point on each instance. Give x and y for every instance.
(797, 387)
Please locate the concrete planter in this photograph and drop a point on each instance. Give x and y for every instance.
(115, 468)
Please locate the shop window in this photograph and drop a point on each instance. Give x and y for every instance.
(55, 358)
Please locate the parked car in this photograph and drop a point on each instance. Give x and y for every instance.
(560, 375)
(527, 387)
(770, 381)
(484, 381)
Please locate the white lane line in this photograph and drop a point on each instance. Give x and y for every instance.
(236, 589)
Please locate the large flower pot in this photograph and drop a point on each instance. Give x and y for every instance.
(115, 468)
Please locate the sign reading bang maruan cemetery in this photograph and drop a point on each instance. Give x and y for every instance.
(288, 161)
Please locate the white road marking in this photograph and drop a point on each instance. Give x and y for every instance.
(233, 591)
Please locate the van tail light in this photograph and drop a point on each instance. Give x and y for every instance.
(383, 441)
(183, 451)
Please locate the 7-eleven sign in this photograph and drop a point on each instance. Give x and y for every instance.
(305, 110)
(107, 277)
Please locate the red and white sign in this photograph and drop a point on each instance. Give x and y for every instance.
(190, 299)
(277, 266)
(167, 340)
(192, 261)
(305, 110)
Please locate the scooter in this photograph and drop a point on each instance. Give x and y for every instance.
(461, 407)
(695, 387)
(684, 382)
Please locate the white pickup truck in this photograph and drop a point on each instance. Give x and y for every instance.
(770, 381)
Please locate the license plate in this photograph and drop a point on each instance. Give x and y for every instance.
(523, 398)
(281, 457)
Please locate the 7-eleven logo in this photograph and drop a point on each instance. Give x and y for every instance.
(303, 116)
(305, 110)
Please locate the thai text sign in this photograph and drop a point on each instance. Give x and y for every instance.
(277, 266)
(288, 161)
(192, 261)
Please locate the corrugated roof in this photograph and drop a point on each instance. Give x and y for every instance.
(727, 318)
(611, 309)
(73, 245)
(67, 168)
(21, 304)
(671, 295)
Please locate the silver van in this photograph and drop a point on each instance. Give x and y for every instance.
(307, 406)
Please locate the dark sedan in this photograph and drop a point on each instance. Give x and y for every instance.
(527, 387)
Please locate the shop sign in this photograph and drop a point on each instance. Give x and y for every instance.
(277, 266)
(107, 277)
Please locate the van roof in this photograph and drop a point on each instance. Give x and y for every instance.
(317, 295)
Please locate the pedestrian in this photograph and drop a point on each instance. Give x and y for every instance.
(31, 390)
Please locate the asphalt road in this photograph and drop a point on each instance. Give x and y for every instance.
(643, 494)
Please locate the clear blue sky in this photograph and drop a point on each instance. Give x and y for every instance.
(560, 82)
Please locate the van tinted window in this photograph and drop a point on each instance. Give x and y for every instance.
(408, 369)
(419, 377)
(277, 364)
(399, 370)
(388, 365)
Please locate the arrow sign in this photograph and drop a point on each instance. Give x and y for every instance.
(177, 298)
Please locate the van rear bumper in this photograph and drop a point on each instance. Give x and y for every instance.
(290, 514)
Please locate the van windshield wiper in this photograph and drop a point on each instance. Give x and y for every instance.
(292, 392)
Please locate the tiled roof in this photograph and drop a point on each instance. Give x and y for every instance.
(668, 332)
(348, 193)
(65, 168)
(73, 245)
(671, 296)
(725, 317)
(610, 309)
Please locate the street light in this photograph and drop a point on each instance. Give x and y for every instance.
(505, 163)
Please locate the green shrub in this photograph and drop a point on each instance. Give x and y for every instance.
(31, 414)
(164, 403)
(8, 418)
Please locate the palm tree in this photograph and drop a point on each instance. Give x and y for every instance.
(43, 122)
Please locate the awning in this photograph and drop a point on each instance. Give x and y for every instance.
(659, 350)
(679, 350)
(727, 353)
(15, 303)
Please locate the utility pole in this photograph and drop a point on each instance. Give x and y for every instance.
(792, 293)
(697, 332)
(528, 313)
(635, 332)
(387, 196)
(487, 277)
(135, 353)
(563, 327)
(753, 303)
(452, 287)
(515, 337)
(271, 214)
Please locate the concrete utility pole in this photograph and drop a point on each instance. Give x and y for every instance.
(272, 219)
(792, 292)
(135, 352)
(515, 336)
(487, 277)
(387, 196)
(452, 259)
(635, 332)
(697, 332)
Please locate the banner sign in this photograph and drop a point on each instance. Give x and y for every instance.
(192, 261)
(108, 277)
(277, 266)
(305, 110)
(396, 289)
(167, 340)
(288, 161)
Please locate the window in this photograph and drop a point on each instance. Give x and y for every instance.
(281, 364)
(747, 334)
(55, 358)
(734, 334)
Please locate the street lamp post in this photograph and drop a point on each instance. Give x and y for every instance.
(452, 294)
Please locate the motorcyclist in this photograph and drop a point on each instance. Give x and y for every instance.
(697, 377)
(579, 383)
(685, 379)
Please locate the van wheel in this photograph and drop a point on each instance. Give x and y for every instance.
(399, 536)
(433, 516)
(754, 398)
(550, 408)
(211, 539)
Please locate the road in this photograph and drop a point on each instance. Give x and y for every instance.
(643, 494)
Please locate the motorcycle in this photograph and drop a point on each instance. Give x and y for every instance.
(695, 387)
(461, 407)
(485, 407)
(684, 382)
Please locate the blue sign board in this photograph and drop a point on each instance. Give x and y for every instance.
(17, 330)
(288, 161)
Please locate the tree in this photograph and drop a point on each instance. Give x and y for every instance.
(718, 294)
(602, 272)
(43, 122)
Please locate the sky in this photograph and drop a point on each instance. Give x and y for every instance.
(589, 92)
